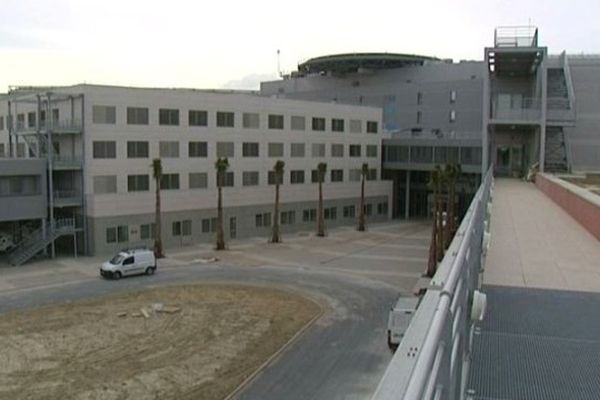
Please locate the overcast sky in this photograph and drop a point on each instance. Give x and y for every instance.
(233, 44)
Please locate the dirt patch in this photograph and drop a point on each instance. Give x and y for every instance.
(589, 181)
(196, 342)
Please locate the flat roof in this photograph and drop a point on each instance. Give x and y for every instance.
(352, 62)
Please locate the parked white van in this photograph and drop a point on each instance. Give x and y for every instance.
(129, 262)
(399, 319)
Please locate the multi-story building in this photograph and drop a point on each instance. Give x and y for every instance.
(99, 143)
(516, 108)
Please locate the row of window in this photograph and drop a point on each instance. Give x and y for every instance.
(183, 228)
(171, 149)
(452, 97)
(102, 114)
(451, 116)
(432, 154)
(21, 185)
(104, 184)
(31, 119)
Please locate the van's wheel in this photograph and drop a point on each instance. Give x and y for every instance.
(117, 275)
(149, 271)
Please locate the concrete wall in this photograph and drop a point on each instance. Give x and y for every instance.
(584, 137)
(14, 208)
(579, 203)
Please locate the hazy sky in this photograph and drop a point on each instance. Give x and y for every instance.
(227, 43)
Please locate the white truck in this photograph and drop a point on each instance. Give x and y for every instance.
(129, 262)
(399, 318)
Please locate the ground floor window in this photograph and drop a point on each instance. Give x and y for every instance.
(117, 234)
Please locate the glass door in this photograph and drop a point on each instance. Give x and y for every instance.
(502, 160)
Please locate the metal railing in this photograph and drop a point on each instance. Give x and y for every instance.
(433, 358)
(66, 161)
(516, 36)
(66, 125)
(527, 109)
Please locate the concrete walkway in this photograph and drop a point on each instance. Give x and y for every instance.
(535, 244)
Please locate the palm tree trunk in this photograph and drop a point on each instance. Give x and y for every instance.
(220, 236)
(276, 237)
(320, 219)
(361, 216)
(433, 246)
(440, 227)
(450, 224)
(158, 248)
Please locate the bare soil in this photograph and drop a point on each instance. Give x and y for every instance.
(210, 340)
(590, 182)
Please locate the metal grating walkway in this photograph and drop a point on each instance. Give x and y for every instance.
(537, 344)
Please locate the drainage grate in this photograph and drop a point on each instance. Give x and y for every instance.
(537, 344)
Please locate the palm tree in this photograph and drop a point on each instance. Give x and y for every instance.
(361, 216)
(453, 172)
(321, 170)
(434, 185)
(440, 214)
(221, 165)
(278, 170)
(157, 175)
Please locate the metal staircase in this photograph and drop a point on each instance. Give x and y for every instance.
(556, 151)
(38, 240)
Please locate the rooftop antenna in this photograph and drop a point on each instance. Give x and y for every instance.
(278, 64)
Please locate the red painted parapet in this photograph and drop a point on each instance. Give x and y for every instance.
(579, 203)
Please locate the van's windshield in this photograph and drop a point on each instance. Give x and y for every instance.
(117, 260)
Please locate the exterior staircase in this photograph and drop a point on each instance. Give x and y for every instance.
(556, 151)
(38, 240)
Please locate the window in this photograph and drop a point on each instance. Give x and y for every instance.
(318, 149)
(104, 114)
(1, 123)
(2, 151)
(20, 121)
(354, 150)
(372, 174)
(355, 175)
(198, 180)
(371, 126)
(55, 115)
(209, 225)
(169, 182)
(20, 150)
(369, 209)
(169, 149)
(272, 177)
(330, 213)
(105, 184)
(22, 185)
(337, 175)
(452, 116)
(147, 231)
(309, 215)
(470, 155)
(452, 96)
(349, 211)
(318, 124)
(117, 234)
(197, 149)
(419, 98)
(105, 149)
(251, 120)
(225, 149)
(355, 126)
(168, 116)
(275, 121)
(197, 118)
(421, 154)
(138, 183)
(288, 217)
(250, 149)
(298, 123)
(418, 117)
(182, 228)
(225, 119)
(382, 208)
(297, 150)
(228, 179)
(337, 150)
(314, 176)
(250, 178)
(337, 125)
(275, 149)
(31, 123)
(296, 176)
(263, 220)
(372, 150)
(137, 150)
(137, 116)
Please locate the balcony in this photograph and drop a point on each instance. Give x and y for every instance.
(59, 126)
(66, 162)
(515, 110)
(67, 198)
(516, 36)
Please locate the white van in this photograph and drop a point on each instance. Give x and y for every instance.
(399, 318)
(129, 262)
